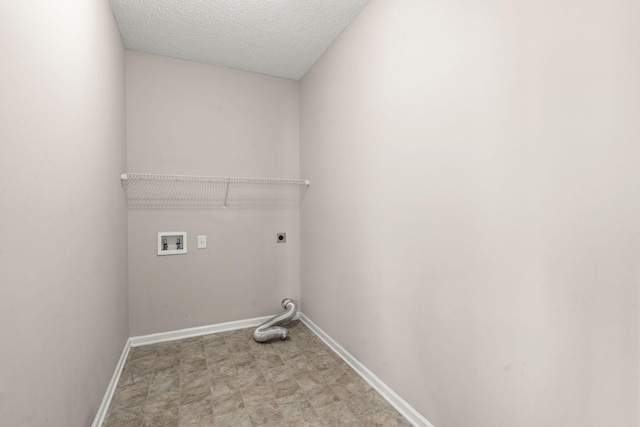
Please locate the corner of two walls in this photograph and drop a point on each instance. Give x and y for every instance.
(188, 118)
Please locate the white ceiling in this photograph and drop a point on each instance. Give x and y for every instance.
(278, 37)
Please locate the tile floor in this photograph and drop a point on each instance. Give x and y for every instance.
(227, 379)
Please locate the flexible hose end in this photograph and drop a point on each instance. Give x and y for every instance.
(270, 329)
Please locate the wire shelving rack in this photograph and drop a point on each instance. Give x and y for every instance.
(158, 191)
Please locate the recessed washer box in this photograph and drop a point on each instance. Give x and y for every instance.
(172, 242)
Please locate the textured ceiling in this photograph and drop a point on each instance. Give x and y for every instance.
(278, 37)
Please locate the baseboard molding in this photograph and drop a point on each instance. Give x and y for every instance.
(163, 337)
(400, 405)
(385, 391)
(111, 388)
(198, 331)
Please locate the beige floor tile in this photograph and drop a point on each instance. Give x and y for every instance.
(119, 416)
(224, 385)
(265, 413)
(306, 419)
(257, 395)
(131, 395)
(298, 396)
(171, 348)
(309, 379)
(138, 366)
(321, 396)
(363, 406)
(380, 419)
(194, 393)
(128, 423)
(337, 413)
(143, 351)
(250, 378)
(207, 421)
(195, 412)
(237, 418)
(227, 379)
(278, 373)
(154, 417)
(285, 387)
(192, 365)
(351, 388)
(225, 403)
(294, 408)
(164, 383)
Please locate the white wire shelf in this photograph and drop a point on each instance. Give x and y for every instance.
(156, 191)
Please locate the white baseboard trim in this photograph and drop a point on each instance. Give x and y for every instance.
(198, 331)
(163, 337)
(400, 405)
(385, 391)
(111, 388)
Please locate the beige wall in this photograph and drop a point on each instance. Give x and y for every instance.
(471, 234)
(63, 256)
(194, 119)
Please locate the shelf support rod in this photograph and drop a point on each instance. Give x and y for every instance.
(226, 194)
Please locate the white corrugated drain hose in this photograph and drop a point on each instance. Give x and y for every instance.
(270, 329)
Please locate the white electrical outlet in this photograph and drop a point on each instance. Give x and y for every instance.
(202, 242)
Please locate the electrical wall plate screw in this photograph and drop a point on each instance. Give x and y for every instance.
(281, 237)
